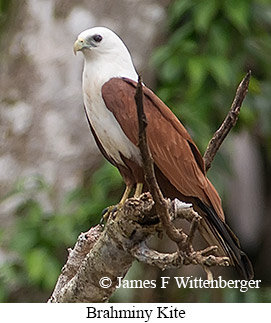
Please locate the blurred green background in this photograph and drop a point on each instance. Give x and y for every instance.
(205, 49)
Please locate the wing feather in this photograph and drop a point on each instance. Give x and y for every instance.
(178, 163)
(172, 148)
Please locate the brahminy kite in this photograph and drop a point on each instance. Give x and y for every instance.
(109, 85)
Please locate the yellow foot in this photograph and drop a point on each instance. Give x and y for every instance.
(114, 208)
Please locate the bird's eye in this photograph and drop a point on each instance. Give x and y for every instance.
(97, 38)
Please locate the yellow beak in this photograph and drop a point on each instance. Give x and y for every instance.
(78, 45)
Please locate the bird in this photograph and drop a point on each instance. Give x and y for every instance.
(109, 82)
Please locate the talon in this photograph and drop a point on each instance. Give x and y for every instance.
(102, 220)
(115, 209)
(105, 215)
(110, 210)
(104, 211)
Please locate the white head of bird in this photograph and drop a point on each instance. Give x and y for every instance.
(105, 54)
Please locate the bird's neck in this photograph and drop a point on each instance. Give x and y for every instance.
(99, 70)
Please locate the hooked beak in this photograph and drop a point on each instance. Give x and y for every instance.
(78, 45)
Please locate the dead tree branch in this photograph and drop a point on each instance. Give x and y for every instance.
(109, 257)
(84, 244)
(100, 257)
(154, 258)
(229, 122)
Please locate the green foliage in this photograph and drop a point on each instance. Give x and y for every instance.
(38, 240)
(210, 46)
(5, 6)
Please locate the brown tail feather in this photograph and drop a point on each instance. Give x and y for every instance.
(217, 232)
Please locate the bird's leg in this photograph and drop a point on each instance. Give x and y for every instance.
(138, 190)
(125, 194)
(114, 208)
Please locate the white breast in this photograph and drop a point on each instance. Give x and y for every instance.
(106, 126)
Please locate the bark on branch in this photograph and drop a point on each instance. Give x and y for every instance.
(100, 257)
(228, 123)
(110, 252)
(109, 257)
